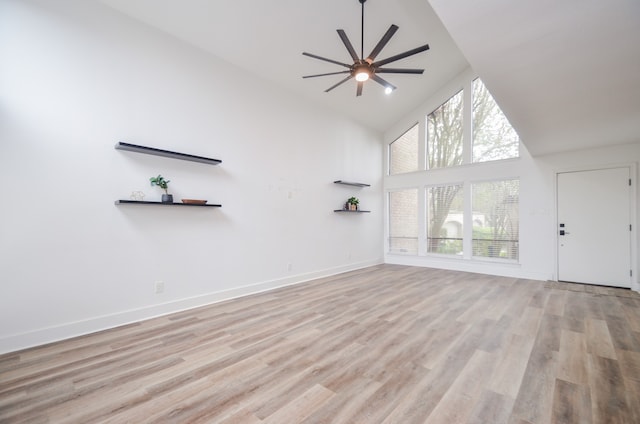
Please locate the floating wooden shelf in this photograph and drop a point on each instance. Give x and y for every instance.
(352, 184)
(143, 202)
(348, 211)
(165, 153)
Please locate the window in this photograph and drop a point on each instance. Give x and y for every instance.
(449, 153)
(403, 221)
(445, 214)
(403, 152)
(493, 136)
(444, 134)
(495, 219)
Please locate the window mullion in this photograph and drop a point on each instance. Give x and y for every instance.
(467, 242)
(422, 144)
(422, 221)
(467, 124)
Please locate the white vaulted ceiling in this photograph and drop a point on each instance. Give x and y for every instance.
(267, 38)
(565, 72)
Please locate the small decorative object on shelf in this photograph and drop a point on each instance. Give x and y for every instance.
(352, 204)
(136, 195)
(163, 184)
(194, 201)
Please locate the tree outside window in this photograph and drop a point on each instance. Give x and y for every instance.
(444, 134)
(493, 136)
(444, 230)
(494, 209)
(496, 219)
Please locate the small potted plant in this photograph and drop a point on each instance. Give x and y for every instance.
(352, 203)
(163, 184)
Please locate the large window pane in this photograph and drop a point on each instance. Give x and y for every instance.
(445, 217)
(444, 134)
(403, 221)
(403, 153)
(496, 219)
(493, 136)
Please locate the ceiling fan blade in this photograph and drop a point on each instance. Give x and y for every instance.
(382, 82)
(326, 60)
(348, 45)
(398, 71)
(324, 75)
(359, 89)
(383, 42)
(401, 55)
(341, 82)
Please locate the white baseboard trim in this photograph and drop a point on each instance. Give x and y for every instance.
(52, 334)
(513, 270)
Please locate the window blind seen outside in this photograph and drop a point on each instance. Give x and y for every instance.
(495, 206)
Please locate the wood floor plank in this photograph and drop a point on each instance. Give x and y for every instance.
(492, 408)
(511, 366)
(573, 358)
(535, 397)
(608, 393)
(556, 303)
(384, 344)
(629, 364)
(598, 339)
(341, 409)
(571, 403)
(460, 399)
(632, 387)
(380, 404)
(631, 307)
(301, 407)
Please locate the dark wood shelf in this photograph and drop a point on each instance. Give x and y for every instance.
(165, 153)
(143, 202)
(352, 184)
(348, 211)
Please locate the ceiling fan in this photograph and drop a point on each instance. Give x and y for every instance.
(364, 68)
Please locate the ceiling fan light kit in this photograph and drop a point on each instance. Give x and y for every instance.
(367, 68)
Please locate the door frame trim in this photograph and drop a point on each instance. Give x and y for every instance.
(632, 166)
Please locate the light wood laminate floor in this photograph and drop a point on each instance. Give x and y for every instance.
(386, 344)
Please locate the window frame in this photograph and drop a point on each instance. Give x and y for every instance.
(389, 156)
(471, 239)
(388, 222)
(463, 187)
(465, 101)
(466, 174)
(472, 133)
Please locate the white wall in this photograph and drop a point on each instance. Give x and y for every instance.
(538, 235)
(76, 77)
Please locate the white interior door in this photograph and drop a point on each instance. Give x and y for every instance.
(594, 232)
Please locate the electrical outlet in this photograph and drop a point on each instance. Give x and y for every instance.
(159, 287)
(289, 267)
